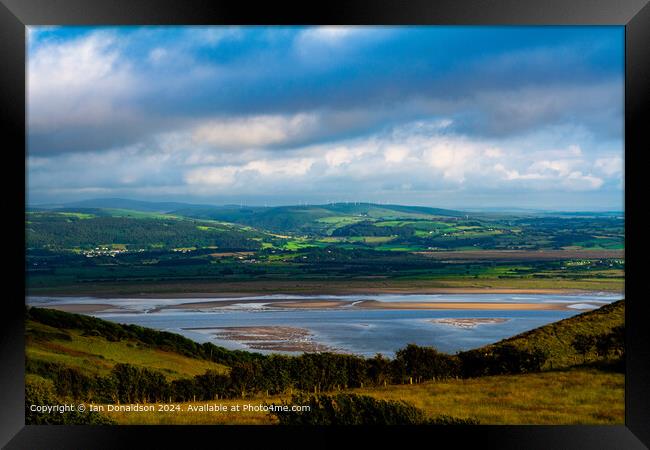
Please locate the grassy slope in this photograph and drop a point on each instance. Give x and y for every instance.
(95, 355)
(556, 337)
(573, 396)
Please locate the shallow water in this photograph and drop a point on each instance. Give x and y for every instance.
(360, 331)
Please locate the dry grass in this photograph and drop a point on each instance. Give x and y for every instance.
(184, 417)
(576, 396)
(200, 288)
(525, 255)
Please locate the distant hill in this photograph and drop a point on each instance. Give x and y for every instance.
(295, 218)
(362, 224)
(91, 227)
(306, 218)
(119, 203)
(371, 209)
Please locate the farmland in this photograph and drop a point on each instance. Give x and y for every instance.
(80, 249)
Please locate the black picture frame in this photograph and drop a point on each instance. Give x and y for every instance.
(15, 15)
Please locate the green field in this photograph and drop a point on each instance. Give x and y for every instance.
(71, 249)
(94, 355)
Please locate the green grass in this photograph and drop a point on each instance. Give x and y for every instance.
(78, 215)
(400, 248)
(358, 239)
(95, 355)
(297, 244)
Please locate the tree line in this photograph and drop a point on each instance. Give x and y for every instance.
(279, 374)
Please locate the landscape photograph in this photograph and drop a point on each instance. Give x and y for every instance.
(332, 225)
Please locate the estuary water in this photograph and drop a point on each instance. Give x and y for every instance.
(347, 329)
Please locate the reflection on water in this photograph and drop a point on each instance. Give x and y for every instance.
(360, 331)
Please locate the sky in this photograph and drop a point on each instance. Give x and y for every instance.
(441, 116)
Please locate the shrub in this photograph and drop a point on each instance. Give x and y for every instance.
(351, 409)
(40, 392)
(501, 359)
(426, 363)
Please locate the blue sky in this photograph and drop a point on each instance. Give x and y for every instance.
(528, 117)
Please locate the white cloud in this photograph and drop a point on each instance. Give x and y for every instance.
(578, 180)
(338, 156)
(213, 35)
(424, 158)
(328, 35)
(219, 176)
(78, 82)
(157, 55)
(256, 131)
(609, 166)
(454, 157)
(345, 155)
(396, 154)
(290, 167)
(323, 46)
(559, 167)
(493, 152)
(513, 174)
(232, 175)
(418, 155)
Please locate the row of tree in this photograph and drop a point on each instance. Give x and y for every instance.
(608, 345)
(277, 374)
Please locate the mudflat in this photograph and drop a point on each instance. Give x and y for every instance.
(274, 338)
(82, 308)
(468, 323)
(226, 289)
(374, 304)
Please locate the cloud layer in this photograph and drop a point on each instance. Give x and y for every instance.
(440, 116)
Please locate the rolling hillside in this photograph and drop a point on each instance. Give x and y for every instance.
(278, 218)
(104, 242)
(312, 218)
(556, 338)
